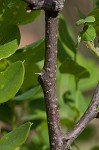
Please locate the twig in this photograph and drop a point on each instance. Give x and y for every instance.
(90, 114)
(95, 50)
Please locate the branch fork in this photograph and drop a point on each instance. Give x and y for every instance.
(58, 140)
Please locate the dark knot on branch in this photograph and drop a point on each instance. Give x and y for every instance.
(51, 5)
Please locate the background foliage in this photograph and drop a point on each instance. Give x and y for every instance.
(21, 97)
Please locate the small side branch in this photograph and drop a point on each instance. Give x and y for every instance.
(91, 113)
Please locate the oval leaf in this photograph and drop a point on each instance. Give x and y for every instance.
(15, 138)
(88, 33)
(88, 19)
(11, 80)
(8, 49)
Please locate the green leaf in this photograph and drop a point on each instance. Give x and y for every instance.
(28, 95)
(30, 78)
(88, 33)
(80, 102)
(15, 138)
(62, 54)
(9, 33)
(95, 13)
(66, 122)
(97, 29)
(9, 40)
(8, 49)
(97, 3)
(11, 80)
(92, 68)
(95, 148)
(87, 134)
(3, 64)
(33, 52)
(30, 54)
(88, 19)
(36, 104)
(65, 35)
(67, 97)
(6, 113)
(13, 12)
(71, 67)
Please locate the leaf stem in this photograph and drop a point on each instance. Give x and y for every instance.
(91, 46)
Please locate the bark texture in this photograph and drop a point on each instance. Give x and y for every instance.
(48, 77)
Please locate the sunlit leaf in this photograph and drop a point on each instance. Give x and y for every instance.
(8, 49)
(88, 19)
(11, 80)
(88, 33)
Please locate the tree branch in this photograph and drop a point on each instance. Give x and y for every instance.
(58, 141)
(47, 80)
(90, 114)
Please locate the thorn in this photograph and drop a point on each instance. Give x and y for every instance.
(39, 73)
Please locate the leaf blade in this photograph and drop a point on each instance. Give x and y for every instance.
(11, 80)
(14, 139)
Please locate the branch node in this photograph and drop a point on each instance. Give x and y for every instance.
(51, 5)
